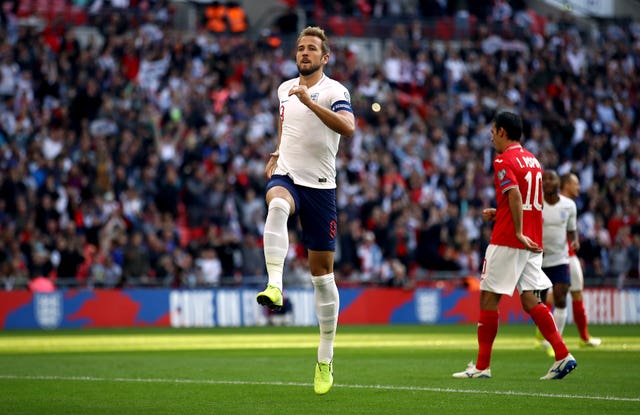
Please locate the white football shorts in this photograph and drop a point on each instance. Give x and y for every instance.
(505, 269)
(575, 270)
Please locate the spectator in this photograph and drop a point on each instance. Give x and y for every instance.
(136, 264)
(69, 257)
(371, 259)
(175, 130)
(620, 257)
(252, 257)
(104, 271)
(208, 267)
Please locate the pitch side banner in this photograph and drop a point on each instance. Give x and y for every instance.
(237, 307)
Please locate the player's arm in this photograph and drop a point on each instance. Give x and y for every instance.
(572, 232)
(341, 121)
(273, 157)
(572, 237)
(489, 214)
(515, 205)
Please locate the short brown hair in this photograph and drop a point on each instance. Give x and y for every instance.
(567, 178)
(319, 33)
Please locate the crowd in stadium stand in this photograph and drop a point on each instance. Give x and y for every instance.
(139, 160)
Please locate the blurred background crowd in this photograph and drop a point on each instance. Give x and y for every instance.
(132, 152)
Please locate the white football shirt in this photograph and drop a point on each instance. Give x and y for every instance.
(308, 148)
(557, 220)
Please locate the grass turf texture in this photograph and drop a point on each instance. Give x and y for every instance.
(269, 370)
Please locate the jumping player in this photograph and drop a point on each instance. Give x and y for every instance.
(315, 111)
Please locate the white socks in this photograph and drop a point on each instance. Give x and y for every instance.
(560, 316)
(327, 302)
(276, 240)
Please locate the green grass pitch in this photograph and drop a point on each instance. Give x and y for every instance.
(269, 370)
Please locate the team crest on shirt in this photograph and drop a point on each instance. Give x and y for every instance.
(501, 174)
(314, 96)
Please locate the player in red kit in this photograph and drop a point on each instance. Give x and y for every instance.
(514, 256)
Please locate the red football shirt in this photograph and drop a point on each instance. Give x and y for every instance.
(516, 167)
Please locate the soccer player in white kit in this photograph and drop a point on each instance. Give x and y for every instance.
(559, 225)
(560, 263)
(570, 187)
(315, 111)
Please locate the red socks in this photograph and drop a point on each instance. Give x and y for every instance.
(487, 331)
(544, 320)
(580, 318)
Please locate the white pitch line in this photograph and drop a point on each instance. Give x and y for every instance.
(377, 387)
